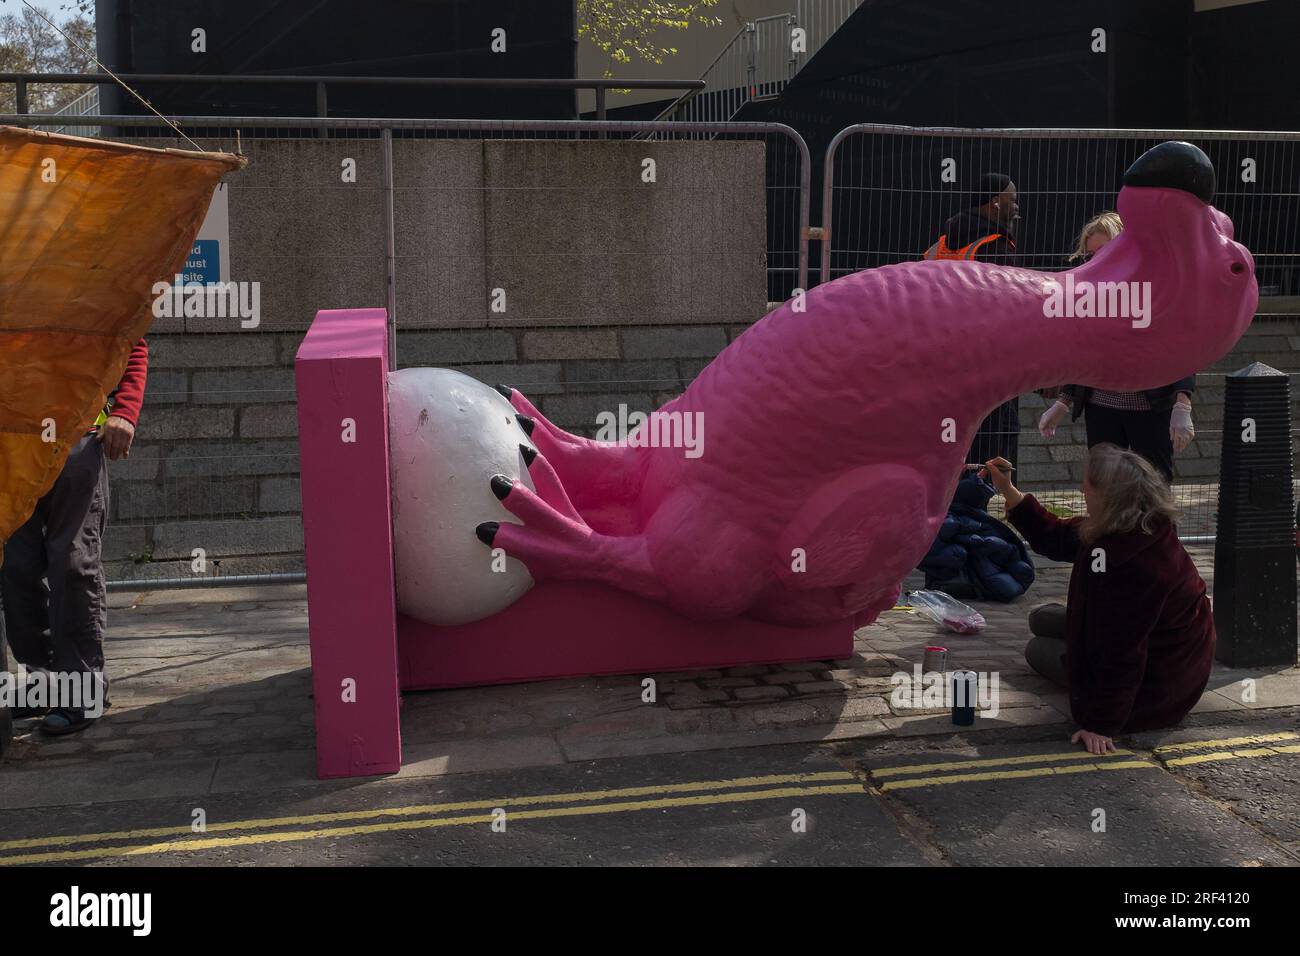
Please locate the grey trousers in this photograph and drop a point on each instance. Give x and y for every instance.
(1045, 651)
(52, 580)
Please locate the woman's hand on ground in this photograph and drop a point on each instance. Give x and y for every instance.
(1181, 430)
(1095, 743)
(1054, 415)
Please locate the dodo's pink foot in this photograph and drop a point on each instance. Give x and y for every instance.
(554, 541)
(598, 476)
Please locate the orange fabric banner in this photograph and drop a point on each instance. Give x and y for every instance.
(87, 227)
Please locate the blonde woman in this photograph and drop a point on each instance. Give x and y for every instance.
(1155, 422)
(1134, 642)
(1096, 232)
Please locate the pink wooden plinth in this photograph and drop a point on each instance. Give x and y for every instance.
(577, 629)
(358, 641)
(342, 375)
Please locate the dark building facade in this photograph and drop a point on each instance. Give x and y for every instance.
(341, 37)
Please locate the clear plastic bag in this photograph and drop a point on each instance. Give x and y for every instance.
(946, 610)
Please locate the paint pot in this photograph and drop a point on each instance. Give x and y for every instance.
(935, 660)
(965, 685)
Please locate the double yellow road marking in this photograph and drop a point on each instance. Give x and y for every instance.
(123, 844)
(427, 816)
(1277, 749)
(946, 772)
(985, 769)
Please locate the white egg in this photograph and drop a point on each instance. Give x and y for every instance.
(448, 435)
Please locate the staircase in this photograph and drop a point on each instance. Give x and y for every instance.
(759, 61)
(87, 104)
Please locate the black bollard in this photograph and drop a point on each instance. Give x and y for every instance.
(1254, 547)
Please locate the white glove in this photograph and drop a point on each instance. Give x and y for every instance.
(1181, 431)
(1053, 417)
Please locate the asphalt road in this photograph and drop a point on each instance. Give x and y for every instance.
(1225, 791)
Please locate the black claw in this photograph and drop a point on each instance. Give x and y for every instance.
(506, 390)
(1174, 165)
(501, 486)
(528, 453)
(527, 424)
(487, 531)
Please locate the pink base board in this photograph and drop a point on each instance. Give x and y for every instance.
(363, 652)
(540, 637)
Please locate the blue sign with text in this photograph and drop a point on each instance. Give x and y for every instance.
(203, 263)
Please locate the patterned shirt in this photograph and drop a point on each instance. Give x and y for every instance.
(1122, 401)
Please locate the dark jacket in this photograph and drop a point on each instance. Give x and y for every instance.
(970, 226)
(975, 555)
(1139, 635)
(1162, 399)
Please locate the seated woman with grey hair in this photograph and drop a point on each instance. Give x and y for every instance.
(1134, 642)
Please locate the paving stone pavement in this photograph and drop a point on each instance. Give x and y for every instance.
(223, 675)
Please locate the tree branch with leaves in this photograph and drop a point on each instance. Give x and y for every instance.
(627, 29)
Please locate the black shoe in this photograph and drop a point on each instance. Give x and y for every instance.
(28, 711)
(64, 720)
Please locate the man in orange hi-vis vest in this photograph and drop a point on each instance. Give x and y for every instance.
(985, 231)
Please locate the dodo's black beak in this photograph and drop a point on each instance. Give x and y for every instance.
(1174, 165)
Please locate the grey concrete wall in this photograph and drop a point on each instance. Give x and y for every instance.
(567, 229)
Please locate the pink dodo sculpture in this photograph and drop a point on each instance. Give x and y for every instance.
(835, 435)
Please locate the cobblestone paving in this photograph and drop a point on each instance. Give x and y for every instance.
(226, 673)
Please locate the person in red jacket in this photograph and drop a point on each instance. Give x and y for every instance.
(1134, 643)
(54, 599)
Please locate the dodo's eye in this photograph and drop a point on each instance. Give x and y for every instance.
(1237, 268)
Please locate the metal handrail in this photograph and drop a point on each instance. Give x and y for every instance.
(689, 95)
(805, 14)
(742, 46)
(600, 86)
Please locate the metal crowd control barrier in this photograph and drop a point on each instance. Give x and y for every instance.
(1064, 177)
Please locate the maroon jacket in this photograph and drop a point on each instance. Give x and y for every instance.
(1140, 635)
(128, 397)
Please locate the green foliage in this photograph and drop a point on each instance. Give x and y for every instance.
(624, 29)
(29, 44)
